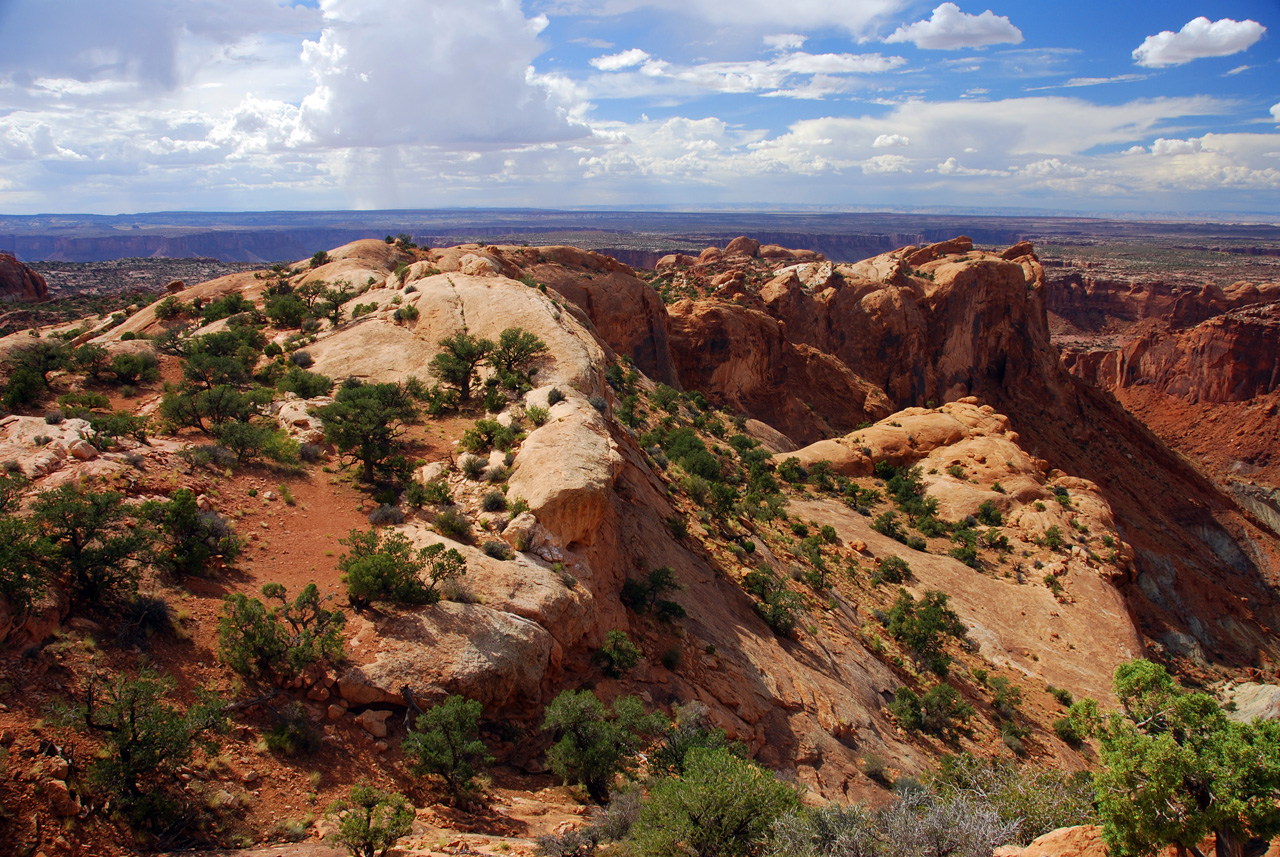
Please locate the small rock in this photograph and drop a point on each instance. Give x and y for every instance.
(319, 693)
(83, 450)
(374, 722)
(250, 777)
(335, 712)
(61, 801)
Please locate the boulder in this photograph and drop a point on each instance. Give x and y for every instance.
(1081, 841)
(295, 417)
(1254, 700)
(374, 722)
(20, 283)
(743, 246)
(62, 802)
(489, 655)
(566, 469)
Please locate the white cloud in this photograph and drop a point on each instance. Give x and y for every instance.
(784, 42)
(951, 29)
(1199, 38)
(390, 72)
(952, 167)
(1237, 70)
(856, 17)
(1275, 112)
(887, 141)
(144, 41)
(787, 74)
(1162, 147)
(881, 164)
(617, 62)
(1094, 81)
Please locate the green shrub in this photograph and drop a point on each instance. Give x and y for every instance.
(1038, 799)
(594, 745)
(923, 626)
(918, 823)
(453, 524)
(131, 369)
(23, 575)
(384, 566)
(618, 655)
(940, 711)
(721, 805)
(472, 466)
(989, 515)
(1006, 696)
(512, 355)
(1053, 538)
(145, 739)
(886, 524)
(304, 384)
(891, 569)
(691, 730)
(192, 540)
(456, 363)
(446, 743)
(251, 441)
(293, 734)
(256, 640)
(778, 606)
(369, 821)
(537, 415)
(498, 550)
(96, 548)
(225, 307)
(793, 471)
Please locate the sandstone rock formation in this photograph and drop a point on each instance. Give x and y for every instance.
(20, 283)
(1233, 357)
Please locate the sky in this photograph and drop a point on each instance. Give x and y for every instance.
(115, 106)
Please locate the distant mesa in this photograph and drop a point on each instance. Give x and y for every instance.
(20, 283)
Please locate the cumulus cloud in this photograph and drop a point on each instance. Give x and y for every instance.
(144, 41)
(886, 164)
(784, 42)
(795, 74)
(1162, 147)
(391, 72)
(1199, 38)
(887, 141)
(619, 61)
(1275, 112)
(948, 28)
(952, 167)
(858, 18)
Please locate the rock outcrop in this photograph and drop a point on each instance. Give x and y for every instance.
(1233, 357)
(20, 283)
(940, 323)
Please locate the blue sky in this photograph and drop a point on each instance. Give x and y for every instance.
(1094, 107)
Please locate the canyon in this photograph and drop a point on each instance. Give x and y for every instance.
(943, 356)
